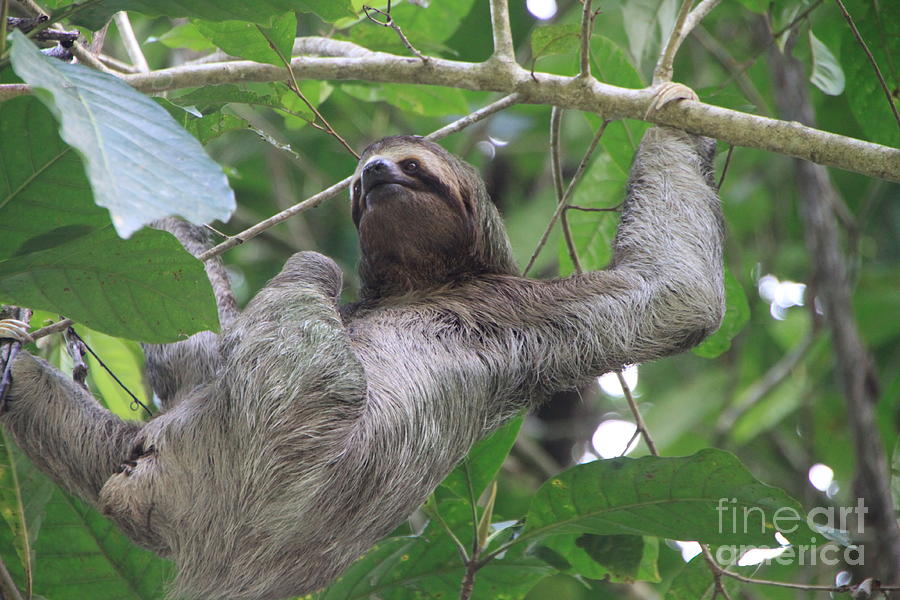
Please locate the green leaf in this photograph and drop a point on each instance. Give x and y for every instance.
(251, 40)
(757, 6)
(187, 36)
(95, 15)
(83, 555)
(881, 29)
(624, 558)
(147, 288)
(426, 25)
(687, 498)
(141, 165)
(327, 10)
(428, 100)
(46, 199)
(737, 313)
(213, 97)
(827, 74)
(555, 39)
(484, 461)
(23, 494)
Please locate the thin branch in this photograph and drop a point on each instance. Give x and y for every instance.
(317, 199)
(8, 589)
(501, 31)
(556, 170)
(389, 22)
(735, 71)
(561, 205)
(295, 87)
(132, 46)
(685, 22)
(587, 28)
(636, 413)
(4, 14)
(57, 327)
(761, 388)
(716, 571)
(697, 15)
(871, 58)
(116, 64)
(663, 70)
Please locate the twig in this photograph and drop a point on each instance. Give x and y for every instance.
(8, 589)
(720, 52)
(761, 388)
(871, 58)
(556, 169)
(316, 199)
(725, 166)
(663, 70)
(132, 46)
(615, 208)
(775, 35)
(389, 22)
(295, 87)
(587, 28)
(134, 399)
(853, 362)
(472, 118)
(716, 571)
(636, 412)
(561, 206)
(116, 64)
(57, 327)
(4, 14)
(501, 31)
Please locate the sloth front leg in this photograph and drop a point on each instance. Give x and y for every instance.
(63, 429)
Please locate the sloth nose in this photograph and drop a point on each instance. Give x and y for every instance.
(374, 167)
(378, 171)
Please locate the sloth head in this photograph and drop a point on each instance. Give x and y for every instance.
(424, 219)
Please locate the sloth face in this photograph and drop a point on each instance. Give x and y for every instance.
(411, 207)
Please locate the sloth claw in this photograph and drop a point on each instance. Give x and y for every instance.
(14, 329)
(668, 92)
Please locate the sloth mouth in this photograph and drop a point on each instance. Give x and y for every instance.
(378, 190)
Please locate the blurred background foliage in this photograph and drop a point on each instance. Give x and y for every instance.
(772, 397)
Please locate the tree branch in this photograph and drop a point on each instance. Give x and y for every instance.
(853, 363)
(502, 32)
(733, 127)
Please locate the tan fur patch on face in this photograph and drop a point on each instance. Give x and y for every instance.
(428, 162)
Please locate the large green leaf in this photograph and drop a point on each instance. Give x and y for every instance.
(251, 40)
(879, 26)
(142, 166)
(23, 494)
(95, 15)
(45, 199)
(79, 554)
(687, 498)
(147, 288)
